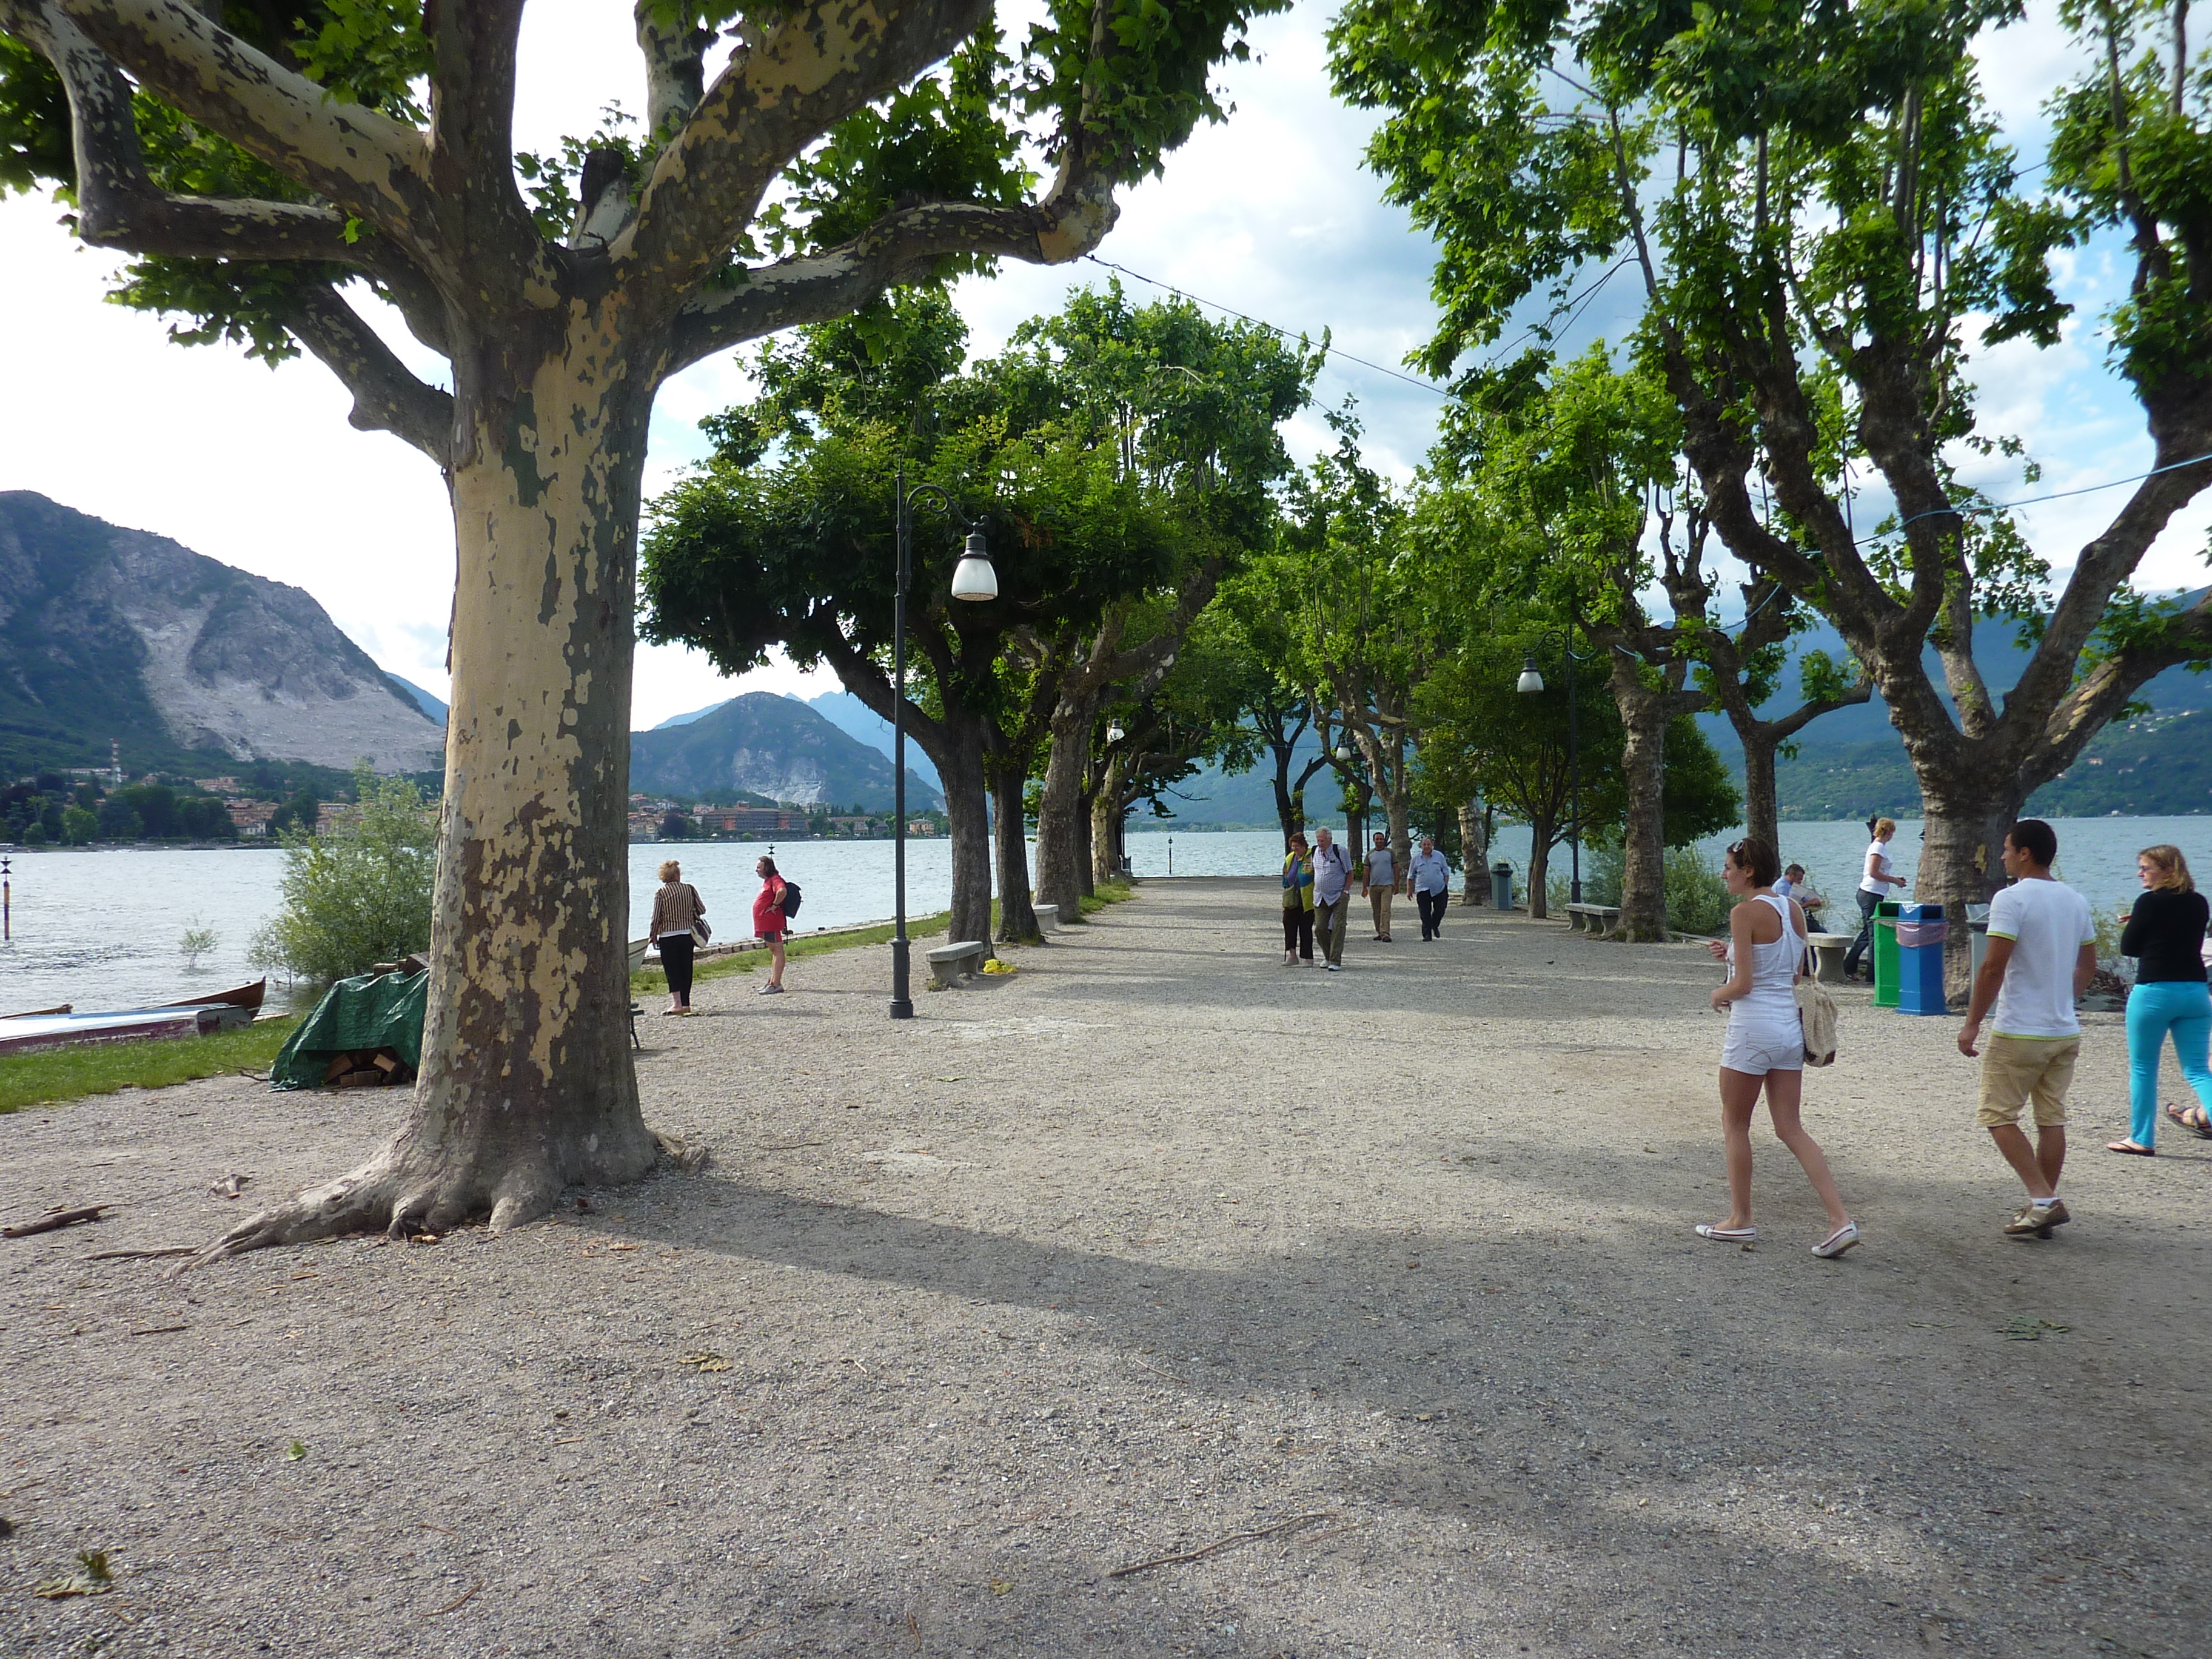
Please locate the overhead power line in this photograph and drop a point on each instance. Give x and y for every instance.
(1591, 294)
(1259, 322)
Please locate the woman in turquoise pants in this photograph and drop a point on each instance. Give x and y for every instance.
(2165, 935)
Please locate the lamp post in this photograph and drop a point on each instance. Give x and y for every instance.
(974, 579)
(1532, 681)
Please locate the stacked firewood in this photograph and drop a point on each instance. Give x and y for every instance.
(366, 1068)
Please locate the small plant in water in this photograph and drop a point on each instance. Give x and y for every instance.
(197, 940)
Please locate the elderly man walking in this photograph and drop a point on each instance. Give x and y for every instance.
(1432, 877)
(1332, 896)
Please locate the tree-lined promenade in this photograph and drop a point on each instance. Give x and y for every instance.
(950, 1331)
(1822, 228)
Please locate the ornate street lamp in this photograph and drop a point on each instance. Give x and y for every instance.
(1532, 681)
(973, 578)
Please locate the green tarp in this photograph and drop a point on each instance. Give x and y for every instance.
(374, 1011)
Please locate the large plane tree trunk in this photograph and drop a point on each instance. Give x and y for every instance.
(1474, 853)
(961, 768)
(1105, 825)
(1017, 922)
(1059, 804)
(526, 1084)
(1644, 712)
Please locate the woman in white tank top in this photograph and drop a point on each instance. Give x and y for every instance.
(1765, 1044)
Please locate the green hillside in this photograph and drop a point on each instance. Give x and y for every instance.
(2158, 765)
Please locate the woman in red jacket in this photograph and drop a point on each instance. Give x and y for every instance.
(770, 923)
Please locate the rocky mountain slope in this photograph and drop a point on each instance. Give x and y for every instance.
(767, 745)
(114, 634)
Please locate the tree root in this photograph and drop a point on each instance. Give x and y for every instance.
(399, 1196)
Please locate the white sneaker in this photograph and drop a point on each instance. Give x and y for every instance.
(1335, 967)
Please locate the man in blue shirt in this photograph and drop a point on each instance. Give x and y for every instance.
(1332, 900)
(1432, 877)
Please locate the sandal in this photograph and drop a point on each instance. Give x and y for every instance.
(1721, 1235)
(2193, 1120)
(2128, 1149)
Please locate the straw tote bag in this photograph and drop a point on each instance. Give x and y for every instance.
(1816, 1013)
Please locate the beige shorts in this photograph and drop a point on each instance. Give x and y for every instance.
(2016, 1070)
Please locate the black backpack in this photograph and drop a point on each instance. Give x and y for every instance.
(791, 897)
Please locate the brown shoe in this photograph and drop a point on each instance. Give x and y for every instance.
(2038, 1221)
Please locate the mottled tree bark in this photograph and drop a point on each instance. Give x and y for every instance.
(1017, 922)
(1473, 854)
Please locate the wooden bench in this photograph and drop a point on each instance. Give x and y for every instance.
(1829, 951)
(950, 964)
(1047, 917)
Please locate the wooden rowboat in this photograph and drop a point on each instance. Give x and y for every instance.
(60, 1028)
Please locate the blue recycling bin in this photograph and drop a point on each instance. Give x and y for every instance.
(1922, 931)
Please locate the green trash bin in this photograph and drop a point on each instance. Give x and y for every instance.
(1886, 976)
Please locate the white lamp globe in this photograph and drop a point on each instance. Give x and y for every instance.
(974, 577)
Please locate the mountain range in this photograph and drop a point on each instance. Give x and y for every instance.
(109, 635)
(768, 745)
(849, 716)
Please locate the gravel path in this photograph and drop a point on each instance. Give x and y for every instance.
(1153, 1243)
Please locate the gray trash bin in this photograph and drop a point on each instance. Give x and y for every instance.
(1501, 885)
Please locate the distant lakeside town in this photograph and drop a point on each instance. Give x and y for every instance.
(89, 807)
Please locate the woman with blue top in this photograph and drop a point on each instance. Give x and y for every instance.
(1297, 903)
(2165, 934)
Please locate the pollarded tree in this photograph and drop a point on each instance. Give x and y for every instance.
(787, 539)
(1192, 410)
(260, 160)
(1366, 619)
(1826, 228)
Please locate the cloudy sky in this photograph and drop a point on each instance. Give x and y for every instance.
(1270, 213)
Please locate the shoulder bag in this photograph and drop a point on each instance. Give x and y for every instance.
(1816, 1014)
(701, 933)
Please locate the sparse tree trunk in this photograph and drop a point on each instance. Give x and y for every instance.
(961, 770)
(1017, 922)
(1103, 823)
(1542, 832)
(1643, 715)
(1474, 853)
(1761, 816)
(1060, 806)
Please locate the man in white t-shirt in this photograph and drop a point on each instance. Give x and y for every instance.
(2042, 950)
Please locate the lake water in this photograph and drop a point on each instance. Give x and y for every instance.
(100, 928)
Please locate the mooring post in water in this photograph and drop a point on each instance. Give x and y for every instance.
(7, 902)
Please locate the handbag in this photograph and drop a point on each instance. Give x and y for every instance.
(1816, 1016)
(701, 933)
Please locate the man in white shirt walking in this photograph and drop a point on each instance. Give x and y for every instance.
(2042, 952)
(1432, 877)
(1332, 897)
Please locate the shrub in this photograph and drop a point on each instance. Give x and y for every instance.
(359, 893)
(1698, 900)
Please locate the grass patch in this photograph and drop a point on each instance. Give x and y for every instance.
(57, 1074)
(651, 981)
(1110, 892)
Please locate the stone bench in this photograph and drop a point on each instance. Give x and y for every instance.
(1595, 919)
(1047, 917)
(949, 963)
(1828, 952)
(1578, 917)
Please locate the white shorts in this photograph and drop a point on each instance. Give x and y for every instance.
(1756, 1046)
